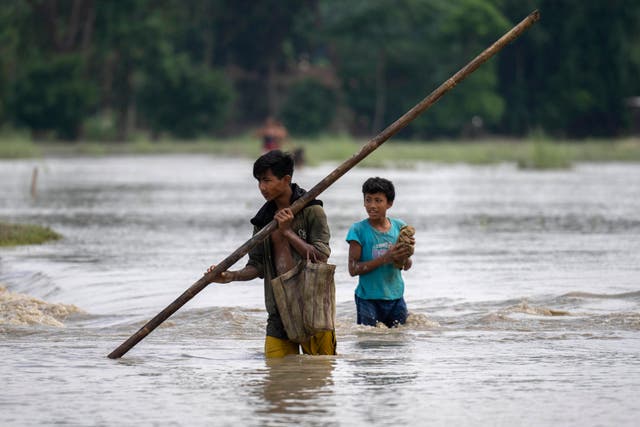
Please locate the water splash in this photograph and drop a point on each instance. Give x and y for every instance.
(525, 308)
(420, 321)
(18, 309)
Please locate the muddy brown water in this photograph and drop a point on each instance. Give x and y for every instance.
(524, 299)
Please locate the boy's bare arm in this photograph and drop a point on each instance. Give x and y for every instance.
(356, 267)
(249, 272)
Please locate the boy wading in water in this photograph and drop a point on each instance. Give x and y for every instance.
(297, 237)
(372, 254)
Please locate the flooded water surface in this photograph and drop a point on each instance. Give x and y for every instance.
(524, 299)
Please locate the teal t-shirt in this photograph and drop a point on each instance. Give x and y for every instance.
(384, 282)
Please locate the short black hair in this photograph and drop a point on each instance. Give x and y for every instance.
(379, 185)
(280, 163)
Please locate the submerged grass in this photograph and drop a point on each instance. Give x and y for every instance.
(536, 152)
(531, 153)
(25, 234)
(14, 145)
(545, 155)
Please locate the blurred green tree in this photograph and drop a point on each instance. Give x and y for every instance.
(9, 39)
(184, 99)
(569, 76)
(47, 64)
(52, 95)
(393, 53)
(462, 31)
(572, 75)
(260, 44)
(129, 43)
(309, 108)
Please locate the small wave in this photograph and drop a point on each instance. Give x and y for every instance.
(622, 321)
(495, 317)
(415, 322)
(525, 308)
(624, 295)
(420, 321)
(23, 310)
(543, 223)
(234, 322)
(522, 307)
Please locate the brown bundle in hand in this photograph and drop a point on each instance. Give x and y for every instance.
(404, 239)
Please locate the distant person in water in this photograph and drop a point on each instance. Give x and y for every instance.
(377, 257)
(273, 133)
(298, 157)
(300, 236)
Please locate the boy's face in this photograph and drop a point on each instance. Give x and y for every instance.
(376, 205)
(271, 186)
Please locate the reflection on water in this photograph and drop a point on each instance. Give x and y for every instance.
(297, 385)
(524, 299)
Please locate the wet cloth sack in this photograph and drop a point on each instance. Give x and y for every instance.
(306, 299)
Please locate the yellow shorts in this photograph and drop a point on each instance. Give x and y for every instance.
(322, 343)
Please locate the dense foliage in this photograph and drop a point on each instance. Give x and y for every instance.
(189, 68)
(309, 108)
(52, 96)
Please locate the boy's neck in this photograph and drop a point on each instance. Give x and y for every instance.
(381, 224)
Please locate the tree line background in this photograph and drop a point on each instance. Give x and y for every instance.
(104, 69)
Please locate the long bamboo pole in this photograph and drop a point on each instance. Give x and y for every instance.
(366, 149)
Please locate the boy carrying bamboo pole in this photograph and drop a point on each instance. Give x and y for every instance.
(298, 237)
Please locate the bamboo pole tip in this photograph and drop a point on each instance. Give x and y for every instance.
(535, 15)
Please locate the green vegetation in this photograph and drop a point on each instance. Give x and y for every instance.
(16, 149)
(15, 145)
(25, 234)
(531, 153)
(190, 69)
(184, 99)
(50, 95)
(544, 154)
(309, 108)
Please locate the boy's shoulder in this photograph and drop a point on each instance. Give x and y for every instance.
(360, 224)
(313, 208)
(358, 228)
(313, 213)
(397, 222)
